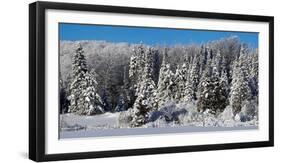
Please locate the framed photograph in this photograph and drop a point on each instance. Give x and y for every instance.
(110, 81)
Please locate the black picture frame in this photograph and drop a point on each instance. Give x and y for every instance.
(37, 80)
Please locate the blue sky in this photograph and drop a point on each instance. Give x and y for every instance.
(150, 36)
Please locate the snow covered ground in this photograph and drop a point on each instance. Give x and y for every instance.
(72, 122)
(108, 124)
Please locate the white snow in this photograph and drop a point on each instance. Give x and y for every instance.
(172, 118)
(72, 122)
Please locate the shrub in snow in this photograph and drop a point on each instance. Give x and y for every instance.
(190, 116)
(170, 112)
(209, 120)
(160, 122)
(125, 118)
(226, 117)
(248, 111)
(227, 114)
(65, 126)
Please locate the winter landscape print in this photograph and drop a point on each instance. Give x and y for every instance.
(119, 80)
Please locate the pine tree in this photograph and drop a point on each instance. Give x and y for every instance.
(194, 74)
(121, 104)
(165, 84)
(254, 74)
(146, 100)
(206, 74)
(105, 97)
(64, 102)
(203, 57)
(218, 61)
(224, 80)
(240, 91)
(189, 94)
(84, 97)
(136, 69)
(213, 95)
(124, 97)
(181, 76)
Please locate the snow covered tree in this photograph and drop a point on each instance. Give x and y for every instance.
(194, 73)
(136, 69)
(189, 94)
(146, 100)
(240, 91)
(181, 77)
(121, 104)
(254, 74)
(213, 95)
(224, 80)
(124, 96)
(166, 83)
(219, 62)
(105, 97)
(64, 102)
(184, 76)
(206, 74)
(84, 99)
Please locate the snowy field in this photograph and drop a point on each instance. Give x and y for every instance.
(172, 120)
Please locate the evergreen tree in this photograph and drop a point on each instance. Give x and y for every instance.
(121, 104)
(206, 74)
(194, 74)
(189, 94)
(84, 97)
(181, 76)
(124, 97)
(136, 69)
(219, 62)
(213, 95)
(254, 74)
(240, 91)
(105, 97)
(224, 80)
(64, 102)
(165, 84)
(146, 100)
(203, 57)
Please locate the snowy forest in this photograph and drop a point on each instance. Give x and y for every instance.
(105, 85)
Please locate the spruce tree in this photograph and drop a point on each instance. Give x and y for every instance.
(181, 76)
(240, 91)
(136, 69)
(84, 97)
(194, 74)
(64, 102)
(189, 94)
(206, 74)
(146, 100)
(165, 84)
(213, 95)
(254, 74)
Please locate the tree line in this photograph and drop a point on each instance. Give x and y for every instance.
(211, 76)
